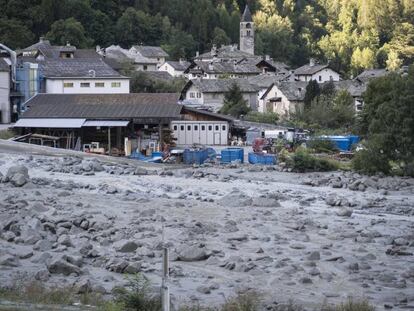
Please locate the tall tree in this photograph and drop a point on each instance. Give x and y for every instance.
(234, 103)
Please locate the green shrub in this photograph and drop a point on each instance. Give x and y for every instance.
(351, 305)
(248, 301)
(371, 160)
(304, 162)
(136, 295)
(322, 145)
(268, 117)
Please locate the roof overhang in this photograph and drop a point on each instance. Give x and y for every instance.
(105, 123)
(88, 78)
(50, 123)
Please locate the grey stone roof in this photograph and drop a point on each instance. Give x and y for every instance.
(220, 85)
(355, 87)
(227, 67)
(225, 52)
(150, 51)
(179, 65)
(247, 15)
(52, 51)
(294, 91)
(371, 74)
(104, 106)
(4, 66)
(266, 80)
(76, 68)
(159, 75)
(309, 70)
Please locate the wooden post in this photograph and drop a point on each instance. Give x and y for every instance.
(165, 291)
(109, 141)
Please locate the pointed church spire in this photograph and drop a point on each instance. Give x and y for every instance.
(247, 15)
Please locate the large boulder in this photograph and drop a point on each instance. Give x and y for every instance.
(192, 253)
(125, 246)
(18, 180)
(60, 266)
(17, 169)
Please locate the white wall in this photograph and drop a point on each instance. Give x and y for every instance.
(56, 86)
(145, 67)
(188, 133)
(198, 100)
(170, 69)
(5, 97)
(322, 76)
(284, 107)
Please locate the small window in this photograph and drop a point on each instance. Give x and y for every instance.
(85, 84)
(198, 95)
(330, 78)
(182, 127)
(320, 78)
(210, 127)
(68, 84)
(188, 127)
(116, 84)
(145, 67)
(175, 127)
(248, 33)
(195, 127)
(192, 95)
(203, 127)
(100, 84)
(223, 128)
(166, 68)
(217, 127)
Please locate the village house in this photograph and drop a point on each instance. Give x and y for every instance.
(283, 98)
(313, 71)
(118, 58)
(5, 104)
(154, 53)
(209, 93)
(175, 68)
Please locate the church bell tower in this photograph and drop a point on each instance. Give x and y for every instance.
(247, 32)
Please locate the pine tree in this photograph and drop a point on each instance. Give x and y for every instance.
(234, 103)
(312, 91)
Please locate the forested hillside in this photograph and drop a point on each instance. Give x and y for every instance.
(352, 34)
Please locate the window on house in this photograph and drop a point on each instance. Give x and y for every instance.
(205, 75)
(198, 95)
(223, 127)
(217, 127)
(166, 68)
(68, 84)
(210, 127)
(100, 84)
(145, 67)
(182, 127)
(175, 127)
(85, 84)
(192, 95)
(320, 78)
(195, 127)
(330, 78)
(188, 127)
(248, 33)
(116, 84)
(203, 127)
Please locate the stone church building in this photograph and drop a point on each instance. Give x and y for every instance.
(247, 32)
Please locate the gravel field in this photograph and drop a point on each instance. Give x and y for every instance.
(70, 219)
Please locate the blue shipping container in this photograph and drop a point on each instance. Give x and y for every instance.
(262, 158)
(232, 154)
(195, 156)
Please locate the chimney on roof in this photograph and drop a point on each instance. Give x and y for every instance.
(311, 62)
(267, 57)
(181, 61)
(98, 48)
(67, 43)
(42, 39)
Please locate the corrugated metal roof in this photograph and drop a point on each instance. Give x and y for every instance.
(104, 106)
(105, 123)
(50, 123)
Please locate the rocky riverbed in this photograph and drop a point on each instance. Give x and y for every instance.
(313, 238)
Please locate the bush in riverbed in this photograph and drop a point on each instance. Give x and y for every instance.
(351, 305)
(305, 162)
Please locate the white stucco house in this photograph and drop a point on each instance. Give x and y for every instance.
(81, 77)
(153, 53)
(209, 93)
(313, 71)
(284, 98)
(174, 68)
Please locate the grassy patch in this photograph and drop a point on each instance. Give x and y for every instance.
(351, 305)
(6, 134)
